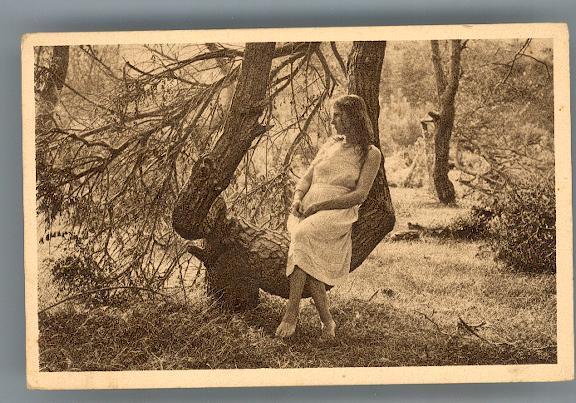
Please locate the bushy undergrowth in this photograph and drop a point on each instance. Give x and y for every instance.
(525, 227)
(519, 226)
(78, 273)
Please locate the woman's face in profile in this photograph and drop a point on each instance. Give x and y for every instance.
(339, 121)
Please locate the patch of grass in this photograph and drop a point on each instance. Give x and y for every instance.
(448, 280)
(418, 206)
(386, 329)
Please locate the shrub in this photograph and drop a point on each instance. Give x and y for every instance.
(525, 226)
(79, 273)
(473, 226)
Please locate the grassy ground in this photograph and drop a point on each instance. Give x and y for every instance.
(407, 305)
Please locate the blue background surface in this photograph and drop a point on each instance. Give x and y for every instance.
(18, 17)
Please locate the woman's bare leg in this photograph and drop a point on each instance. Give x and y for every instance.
(318, 291)
(288, 324)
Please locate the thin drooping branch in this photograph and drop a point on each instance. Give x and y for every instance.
(83, 294)
(62, 83)
(328, 72)
(89, 50)
(513, 62)
(338, 57)
(288, 61)
(301, 134)
(542, 62)
(219, 54)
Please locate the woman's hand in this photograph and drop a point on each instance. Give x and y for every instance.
(296, 208)
(312, 209)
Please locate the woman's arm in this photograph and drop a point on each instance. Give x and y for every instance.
(302, 188)
(303, 184)
(358, 195)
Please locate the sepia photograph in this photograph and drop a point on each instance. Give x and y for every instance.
(288, 207)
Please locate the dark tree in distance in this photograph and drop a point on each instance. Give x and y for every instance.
(444, 120)
(48, 82)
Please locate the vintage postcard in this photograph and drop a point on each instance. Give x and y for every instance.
(290, 207)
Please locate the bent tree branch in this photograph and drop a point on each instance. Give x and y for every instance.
(211, 173)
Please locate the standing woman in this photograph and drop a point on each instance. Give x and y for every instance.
(326, 204)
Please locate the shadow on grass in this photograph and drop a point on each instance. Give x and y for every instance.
(172, 336)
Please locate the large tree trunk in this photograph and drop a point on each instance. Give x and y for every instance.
(211, 173)
(241, 259)
(444, 123)
(376, 214)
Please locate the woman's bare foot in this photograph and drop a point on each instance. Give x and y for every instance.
(285, 329)
(328, 331)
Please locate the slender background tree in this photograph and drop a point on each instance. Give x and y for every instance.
(444, 120)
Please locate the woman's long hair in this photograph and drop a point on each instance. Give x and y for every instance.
(358, 123)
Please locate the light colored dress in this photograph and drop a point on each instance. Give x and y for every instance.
(321, 244)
